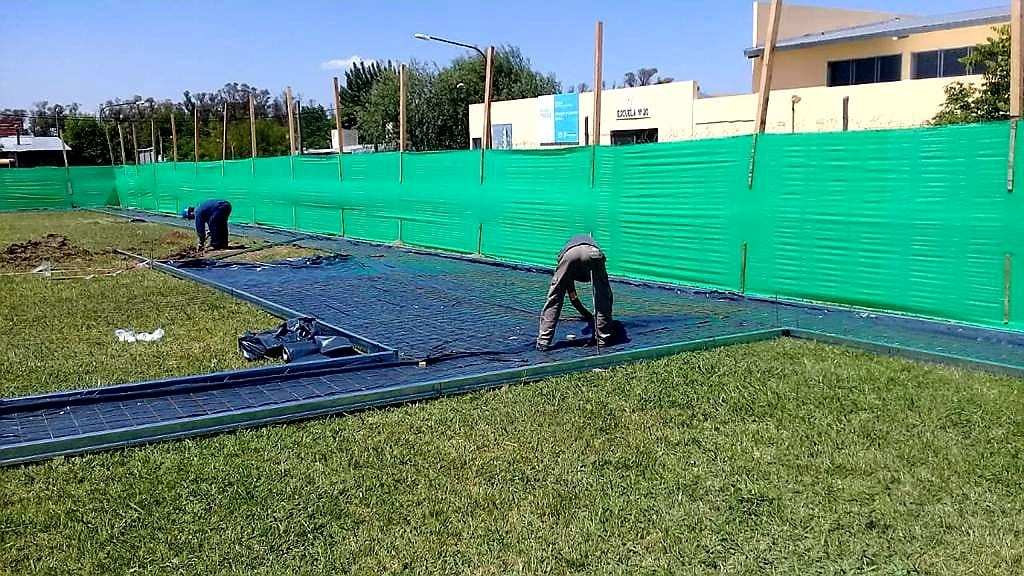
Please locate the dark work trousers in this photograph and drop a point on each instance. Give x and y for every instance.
(219, 228)
(582, 263)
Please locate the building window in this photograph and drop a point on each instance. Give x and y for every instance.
(641, 136)
(944, 64)
(865, 70)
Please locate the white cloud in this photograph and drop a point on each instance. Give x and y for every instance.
(345, 63)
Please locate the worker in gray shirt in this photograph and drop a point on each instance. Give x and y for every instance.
(581, 260)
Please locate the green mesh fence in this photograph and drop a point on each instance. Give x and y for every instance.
(917, 221)
(40, 188)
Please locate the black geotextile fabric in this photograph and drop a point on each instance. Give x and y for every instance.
(450, 317)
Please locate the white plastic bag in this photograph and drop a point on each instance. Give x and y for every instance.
(125, 335)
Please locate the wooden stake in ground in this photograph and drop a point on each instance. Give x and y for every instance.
(252, 130)
(174, 139)
(598, 81)
(224, 140)
(485, 142)
(402, 88)
(291, 121)
(767, 66)
(337, 124)
(120, 136)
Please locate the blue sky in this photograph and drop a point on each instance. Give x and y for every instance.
(87, 51)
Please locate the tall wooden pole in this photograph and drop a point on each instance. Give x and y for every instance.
(337, 124)
(135, 145)
(120, 136)
(152, 137)
(174, 138)
(298, 126)
(767, 66)
(402, 89)
(291, 120)
(224, 139)
(765, 86)
(67, 169)
(598, 81)
(252, 130)
(486, 142)
(195, 139)
(1016, 58)
(110, 147)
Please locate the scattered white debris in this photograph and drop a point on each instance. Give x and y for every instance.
(124, 335)
(45, 268)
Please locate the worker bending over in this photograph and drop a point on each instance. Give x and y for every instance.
(581, 260)
(211, 215)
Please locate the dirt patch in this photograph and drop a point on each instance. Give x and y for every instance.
(175, 237)
(189, 252)
(52, 248)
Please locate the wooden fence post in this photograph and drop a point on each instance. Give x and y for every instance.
(598, 81)
(174, 140)
(337, 124)
(224, 139)
(486, 142)
(765, 84)
(252, 130)
(291, 132)
(402, 88)
(120, 137)
(195, 140)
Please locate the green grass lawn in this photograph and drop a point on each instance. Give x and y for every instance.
(59, 334)
(780, 457)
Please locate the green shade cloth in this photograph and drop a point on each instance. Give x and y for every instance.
(915, 221)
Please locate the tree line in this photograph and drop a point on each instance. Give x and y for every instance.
(438, 100)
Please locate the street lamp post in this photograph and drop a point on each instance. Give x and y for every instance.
(485, 141)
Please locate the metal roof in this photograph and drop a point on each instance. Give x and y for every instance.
(32, 144)
(898, 26)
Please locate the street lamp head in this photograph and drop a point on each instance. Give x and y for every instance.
(421, 36)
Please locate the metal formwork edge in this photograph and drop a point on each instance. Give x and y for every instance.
(347, 402)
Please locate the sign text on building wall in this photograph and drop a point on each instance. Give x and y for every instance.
(559, 119)
(633, 113)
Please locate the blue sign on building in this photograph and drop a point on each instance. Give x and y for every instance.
(567, 119)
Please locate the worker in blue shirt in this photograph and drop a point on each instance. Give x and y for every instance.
(211, 215)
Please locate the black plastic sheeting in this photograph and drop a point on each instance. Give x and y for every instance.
(451, 319)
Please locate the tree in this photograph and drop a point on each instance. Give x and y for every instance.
(316, 126)
(967, 103)
(439, 98)
(355, 92)
(643, 77)
(87, 140)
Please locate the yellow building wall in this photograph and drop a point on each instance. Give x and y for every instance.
(886, 105)
(807, 67)
(798, 20)
(670, 107)
(679, 113)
